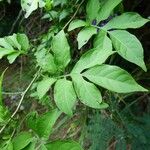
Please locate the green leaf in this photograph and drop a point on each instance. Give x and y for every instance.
(106, 9)
(87, 92)
(128, 46)
(4, 115)
(46, 61)
(64, 13)
(76, 24)
(23, 41)
(31, 120)
(44, 85)
(8, 146)
(11, 58)
(104, 105)
(31, 146)
(95, 56)
(4, 51)
(12, 40)
(125, 21)
(113, 78)
(12, 47)
(45, 123)
(84, 35)
(30, 5)
(101, 40)
(63, 145)
(22, 140)
(92, 9)
(64, 96)
(61, 50)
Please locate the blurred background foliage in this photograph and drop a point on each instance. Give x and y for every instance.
(124, 125)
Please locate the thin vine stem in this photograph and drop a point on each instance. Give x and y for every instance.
(73, 15)
(21, 100)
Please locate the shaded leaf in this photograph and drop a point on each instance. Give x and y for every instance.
(46, 122)
(22, 140)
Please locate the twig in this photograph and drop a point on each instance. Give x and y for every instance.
(73, 15)
(12, 93)
(21, 100)
(15, 22)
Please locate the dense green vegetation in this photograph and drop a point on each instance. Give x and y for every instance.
(74, 75)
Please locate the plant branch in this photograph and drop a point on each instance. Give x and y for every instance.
(21, 100)
(73, 15)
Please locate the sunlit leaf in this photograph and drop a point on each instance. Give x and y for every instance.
(64, 96)
(84, 35)
(113, 78)
(125, 21)
(128, 46)
(87, 92)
